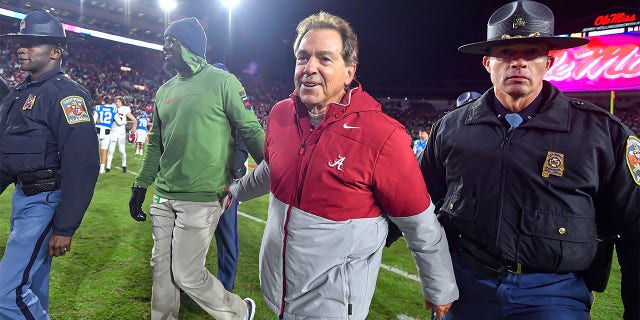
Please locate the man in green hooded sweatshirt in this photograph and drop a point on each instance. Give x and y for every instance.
(190, 157)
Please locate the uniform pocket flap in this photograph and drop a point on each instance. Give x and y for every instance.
(460, 206)
(23, 144)
(558, 226)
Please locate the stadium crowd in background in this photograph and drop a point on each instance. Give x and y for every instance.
(98, 65)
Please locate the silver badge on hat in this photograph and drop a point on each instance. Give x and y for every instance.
(518, 21)
(23, 25)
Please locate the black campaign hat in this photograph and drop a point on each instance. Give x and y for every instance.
(40, 26)
(522, 21)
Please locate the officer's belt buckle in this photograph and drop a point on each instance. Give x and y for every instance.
(514, 267)
(493, 263)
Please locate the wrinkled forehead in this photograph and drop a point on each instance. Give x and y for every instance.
(322, 38)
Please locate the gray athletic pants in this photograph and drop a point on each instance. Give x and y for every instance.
(182, 233)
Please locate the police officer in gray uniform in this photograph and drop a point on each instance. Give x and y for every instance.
(48, 149)
(533, 187)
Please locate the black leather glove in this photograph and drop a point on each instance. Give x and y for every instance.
(135, 203)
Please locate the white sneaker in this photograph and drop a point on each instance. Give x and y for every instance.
(251, 308)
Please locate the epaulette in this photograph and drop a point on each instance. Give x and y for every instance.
(69, 87)
(588, 106)
(60, 81)
(584, 105)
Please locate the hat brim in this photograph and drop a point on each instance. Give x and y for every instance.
(37, 38)
(555, 43)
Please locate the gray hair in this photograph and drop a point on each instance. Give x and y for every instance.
(323, 20)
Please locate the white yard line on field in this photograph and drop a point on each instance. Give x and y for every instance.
(383, 266)
(400, 272)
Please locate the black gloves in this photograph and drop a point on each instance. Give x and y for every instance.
(394, 232)
(135, 203)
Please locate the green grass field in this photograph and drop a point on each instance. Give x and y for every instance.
(107, 273)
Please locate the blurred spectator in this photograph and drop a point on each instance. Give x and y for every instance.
(421, 143)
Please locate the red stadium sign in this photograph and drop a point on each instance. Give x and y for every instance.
(614, 18)
(609, 62)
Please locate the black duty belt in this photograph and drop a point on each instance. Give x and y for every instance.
(35, 182)
(479, 258)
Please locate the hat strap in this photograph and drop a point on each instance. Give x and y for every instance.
(533, 35)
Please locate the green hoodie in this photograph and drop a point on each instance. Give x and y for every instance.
(191, 151)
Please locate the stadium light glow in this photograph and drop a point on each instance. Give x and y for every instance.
(167, 5)
(91, 33)
(12, 14)
(230, 4)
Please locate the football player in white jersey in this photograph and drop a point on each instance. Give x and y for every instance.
(119, 132)
(105, 113)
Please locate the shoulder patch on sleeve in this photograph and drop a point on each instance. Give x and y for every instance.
(633, 158)
(75, 109)
(245, 100)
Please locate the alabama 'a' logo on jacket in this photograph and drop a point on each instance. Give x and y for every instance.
(337, 163)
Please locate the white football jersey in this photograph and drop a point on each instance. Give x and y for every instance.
(119, 125)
